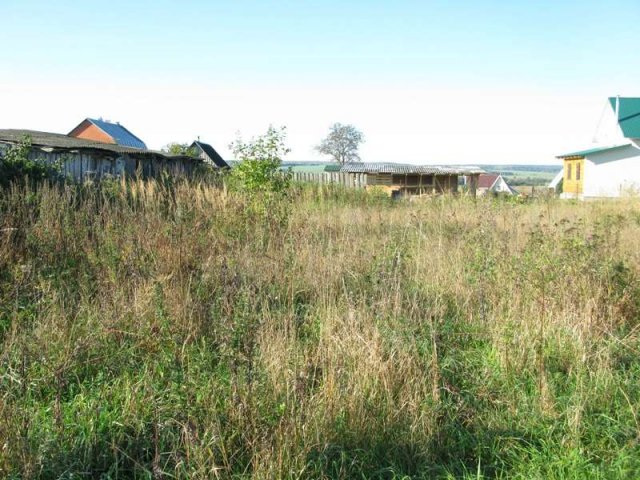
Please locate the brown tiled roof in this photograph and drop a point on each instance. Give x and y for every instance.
(486, 180)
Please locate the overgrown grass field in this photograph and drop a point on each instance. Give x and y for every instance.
(183, 331)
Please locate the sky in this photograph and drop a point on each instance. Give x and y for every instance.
(427, 82)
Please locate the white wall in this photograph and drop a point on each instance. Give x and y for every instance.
(612, 173)
(501, 186)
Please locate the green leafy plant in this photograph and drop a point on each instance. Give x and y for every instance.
(260, 161)
(15, 165)
(176, 148)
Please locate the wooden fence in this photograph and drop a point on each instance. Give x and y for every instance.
(353, 180)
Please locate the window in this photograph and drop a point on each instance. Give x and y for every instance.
(568, 171)
(578, 171)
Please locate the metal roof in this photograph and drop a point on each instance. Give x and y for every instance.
(406, 169)
(628, 115)
(211, 154)
(64, 142)
(584, 153)
(120, 134)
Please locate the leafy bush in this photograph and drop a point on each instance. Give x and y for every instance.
(16, 165)
(260, 162)
(176, 148)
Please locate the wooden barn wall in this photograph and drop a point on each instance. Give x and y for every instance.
(446, 183)
(354, 180)
(430, 183)
(380, 179)
(84, 166)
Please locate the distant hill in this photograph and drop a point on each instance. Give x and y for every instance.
(535, 175)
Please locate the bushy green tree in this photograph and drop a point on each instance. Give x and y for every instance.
(260, 161)
(176, 148)
(15, 164)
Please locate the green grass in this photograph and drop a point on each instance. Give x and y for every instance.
(186, 331)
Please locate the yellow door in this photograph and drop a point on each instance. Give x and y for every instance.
(573, 181)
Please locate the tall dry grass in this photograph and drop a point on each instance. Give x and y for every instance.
(182, 331)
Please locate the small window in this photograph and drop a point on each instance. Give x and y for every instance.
(577, 171)
(568, 171)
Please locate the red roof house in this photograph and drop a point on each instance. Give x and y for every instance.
(494, 183)
(106, 132)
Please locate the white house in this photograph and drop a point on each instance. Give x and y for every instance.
(608, 171)
(494, 183)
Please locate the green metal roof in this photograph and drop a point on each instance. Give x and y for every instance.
(584, 153)
(332, 167)
(628, 116)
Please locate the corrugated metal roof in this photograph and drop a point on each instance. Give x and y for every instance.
(628, 115)
(406, 169)
(211, 154)
(120, 134)
(584, 153)
(64, 142)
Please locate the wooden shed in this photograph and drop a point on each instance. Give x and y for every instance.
(208, 154)
(83, 159)
(402, 179)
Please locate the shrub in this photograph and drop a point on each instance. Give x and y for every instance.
(260, 162)
(15, 165)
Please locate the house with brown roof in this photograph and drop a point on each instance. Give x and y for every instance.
(495, 184)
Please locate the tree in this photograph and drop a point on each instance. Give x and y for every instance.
(260, 160)
(176, 148)
(342, 143)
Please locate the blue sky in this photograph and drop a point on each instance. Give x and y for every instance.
(428, 82)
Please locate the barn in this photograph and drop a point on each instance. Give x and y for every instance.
(83, 159)
(97, 148)
(208, 154)
(403, 180)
